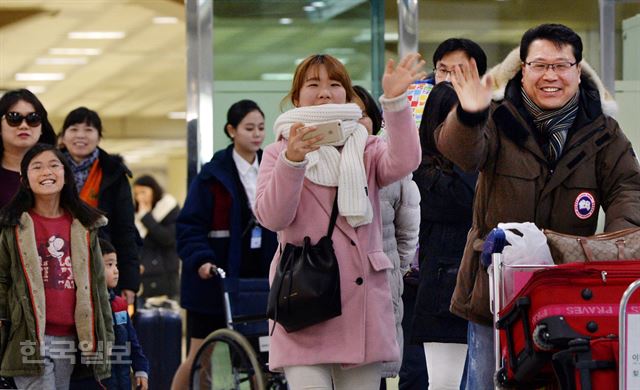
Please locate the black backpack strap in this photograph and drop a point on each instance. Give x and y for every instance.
(334, 216)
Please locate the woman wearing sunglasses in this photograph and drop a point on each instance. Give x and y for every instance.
(23, 123)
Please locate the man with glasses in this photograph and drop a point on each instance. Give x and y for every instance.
(454, 52)
(440, 337)
(548, 152)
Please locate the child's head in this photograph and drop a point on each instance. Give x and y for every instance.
(320, 79)
(44, 171)
(110, 260)
(55, 177)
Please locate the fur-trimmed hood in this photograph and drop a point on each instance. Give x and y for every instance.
(511, 65)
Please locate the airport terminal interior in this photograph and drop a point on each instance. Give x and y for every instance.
(134, 71)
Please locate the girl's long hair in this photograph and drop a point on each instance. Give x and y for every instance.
(24, 199)
(440, 101)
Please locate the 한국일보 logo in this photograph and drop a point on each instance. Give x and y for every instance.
(584, 205)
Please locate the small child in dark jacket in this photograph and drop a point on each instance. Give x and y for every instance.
(127, 352)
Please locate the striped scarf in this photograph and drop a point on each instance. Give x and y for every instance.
(553, 124)
(329, 167)
(81, 170)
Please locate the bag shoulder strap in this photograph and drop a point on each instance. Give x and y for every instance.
(334, 216)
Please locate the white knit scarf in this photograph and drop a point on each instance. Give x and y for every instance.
(329, 167)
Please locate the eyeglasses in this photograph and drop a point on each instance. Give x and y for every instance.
(53, 166)
(558, 68)
(15, 119)
(442, 72)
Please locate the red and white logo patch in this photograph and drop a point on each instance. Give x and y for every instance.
(584, 205)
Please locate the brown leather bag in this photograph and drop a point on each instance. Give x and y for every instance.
(620, 245)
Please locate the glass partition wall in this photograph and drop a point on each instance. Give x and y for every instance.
(256, 45)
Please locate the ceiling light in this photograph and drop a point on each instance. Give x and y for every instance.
(61, 60)
(39, 76)
(309, 8)
(318, 4)
(36, 88)
(177, 115)
(285, 21)
(96, 35)
(74, 51)
(165, 20)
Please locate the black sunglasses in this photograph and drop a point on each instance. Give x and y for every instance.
(15, 119)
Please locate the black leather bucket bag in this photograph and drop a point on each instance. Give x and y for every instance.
(306, 287)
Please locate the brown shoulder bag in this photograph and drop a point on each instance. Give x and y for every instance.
(620, 245)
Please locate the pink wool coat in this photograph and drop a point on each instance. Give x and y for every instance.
(293, 206)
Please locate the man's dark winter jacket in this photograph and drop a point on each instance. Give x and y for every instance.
(598, 167)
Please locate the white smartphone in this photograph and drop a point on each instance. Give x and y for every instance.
(331, 130)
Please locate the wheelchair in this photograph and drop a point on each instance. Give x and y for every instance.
(235, 358)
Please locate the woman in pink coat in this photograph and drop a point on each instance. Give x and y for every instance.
(297, 184)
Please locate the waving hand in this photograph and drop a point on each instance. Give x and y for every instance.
(474, 93)
(396, 79)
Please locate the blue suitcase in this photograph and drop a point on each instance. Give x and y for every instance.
(160, 335)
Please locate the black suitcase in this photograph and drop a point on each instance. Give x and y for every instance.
(160, 334)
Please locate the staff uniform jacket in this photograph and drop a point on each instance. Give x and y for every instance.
(295, 207)
(22, 297)
(516, 184)
(210, 228)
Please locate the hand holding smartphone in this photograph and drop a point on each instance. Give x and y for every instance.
(332, 131)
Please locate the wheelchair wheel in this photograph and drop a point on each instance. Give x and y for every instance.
(226, 361)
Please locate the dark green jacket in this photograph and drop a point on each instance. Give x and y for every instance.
(22, 299)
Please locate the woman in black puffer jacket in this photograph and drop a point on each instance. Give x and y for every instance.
(156, 214)
(445, 218)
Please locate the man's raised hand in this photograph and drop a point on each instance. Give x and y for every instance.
(474, 93)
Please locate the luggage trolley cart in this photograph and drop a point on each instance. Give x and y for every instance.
(227, 359)
(562, 325)
(497, 296)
